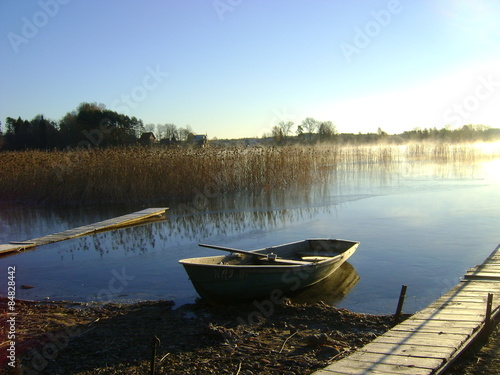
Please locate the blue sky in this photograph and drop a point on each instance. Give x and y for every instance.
(235, 68)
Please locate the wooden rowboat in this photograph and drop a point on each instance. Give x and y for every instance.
(266, 273)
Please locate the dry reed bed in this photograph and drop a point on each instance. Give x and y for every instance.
(125, 175)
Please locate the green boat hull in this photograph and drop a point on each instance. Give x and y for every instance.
(235, 278)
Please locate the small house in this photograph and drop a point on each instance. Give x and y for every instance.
(147, 139)
(200, 140)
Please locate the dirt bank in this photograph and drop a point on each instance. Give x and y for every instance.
(75, 338)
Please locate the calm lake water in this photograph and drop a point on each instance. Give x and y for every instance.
(419, 224)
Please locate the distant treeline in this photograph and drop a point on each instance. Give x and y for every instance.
(313, 131)
(92, 125)
(465, 134)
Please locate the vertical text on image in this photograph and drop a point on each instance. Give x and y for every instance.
(11, 314)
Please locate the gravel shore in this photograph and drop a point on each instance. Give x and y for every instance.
(77, 338)
(84, 339)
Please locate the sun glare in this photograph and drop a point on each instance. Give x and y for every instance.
(492, 167)
(490, 148)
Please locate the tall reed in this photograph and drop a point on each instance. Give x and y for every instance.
(134, 175)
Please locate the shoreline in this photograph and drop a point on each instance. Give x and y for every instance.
(81, 338)
(86, 338)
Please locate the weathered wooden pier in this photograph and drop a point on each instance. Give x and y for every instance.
(430, 341)
(111, 224)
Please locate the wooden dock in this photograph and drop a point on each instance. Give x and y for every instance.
(111, 224)
(430, 341)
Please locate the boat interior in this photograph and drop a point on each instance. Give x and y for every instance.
(304, 252)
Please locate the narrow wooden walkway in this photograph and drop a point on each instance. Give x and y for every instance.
(429, 341)
(115, 223)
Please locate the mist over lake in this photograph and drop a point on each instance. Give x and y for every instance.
(421, 223)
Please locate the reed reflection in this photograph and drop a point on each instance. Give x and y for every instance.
(178, 230)
(246, 218)
(231, 214)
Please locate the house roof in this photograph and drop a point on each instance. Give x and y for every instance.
(147, 135)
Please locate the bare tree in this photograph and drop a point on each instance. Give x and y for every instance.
(310, 125)
(277, 133)
(327, 130)
(381, 133)
(170, 131)
(184, 132)
(300, 130)
(161, 129)
(286, 127)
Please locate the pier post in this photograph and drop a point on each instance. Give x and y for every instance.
(487, 318)
(155, 342)
(402, 296)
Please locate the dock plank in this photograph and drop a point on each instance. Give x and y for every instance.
(471, 308)
(482, 275)
(406, 337)
(450, 316)
(362, 368)
(489, 266)
(476, 304)
(472, 291)
(441, 326)
(396, 341)
(481, 286)
(105, 225)
(409, 349)
(465, 296)
(10, 248)
(397, 360)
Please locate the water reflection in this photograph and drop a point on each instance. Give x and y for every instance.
(419, 224)
(224, 215)
(330, 290)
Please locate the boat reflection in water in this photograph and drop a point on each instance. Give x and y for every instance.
(330, 290)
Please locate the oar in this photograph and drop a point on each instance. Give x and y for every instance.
(233, 250)
(271, 257)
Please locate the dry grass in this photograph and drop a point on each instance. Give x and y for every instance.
(146, 175)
